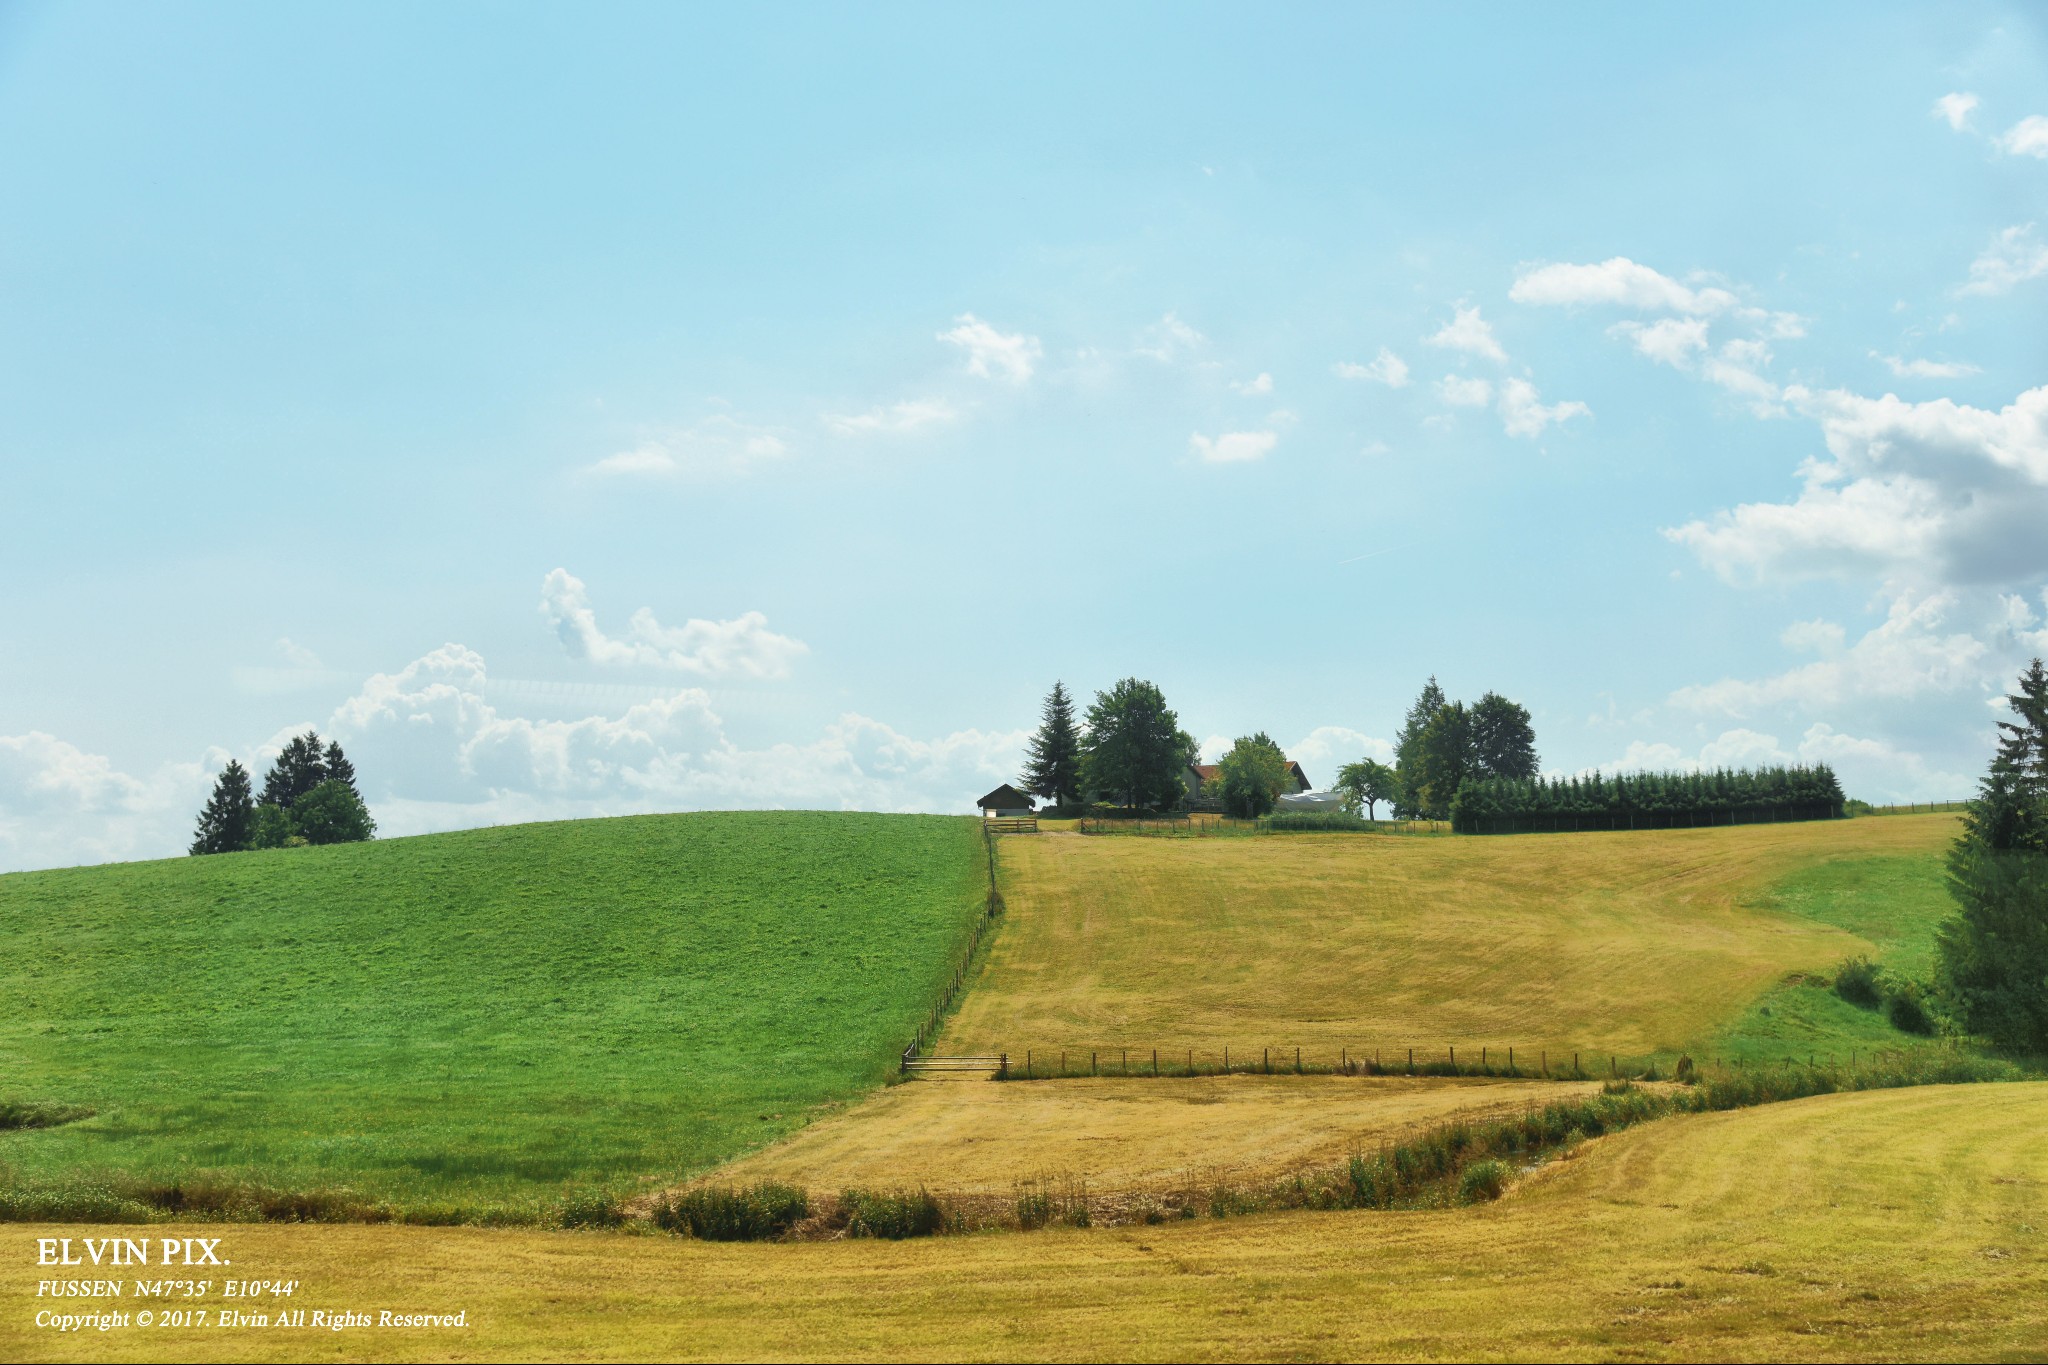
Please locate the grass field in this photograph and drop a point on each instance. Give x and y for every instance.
(477, 1019)
(1903, 1224)
(1626, 943)
(973, 1137)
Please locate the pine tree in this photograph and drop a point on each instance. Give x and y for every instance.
(1054, 767)
(339, 769)
(300, 767)
(228, 822)
(1992, 955)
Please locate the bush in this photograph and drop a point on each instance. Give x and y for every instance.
(1482, 1181)
(1856, 982)
(1310, 820)
(894, 1214)
(718, 1213)
(1908, 1014)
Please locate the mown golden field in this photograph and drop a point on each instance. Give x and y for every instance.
(1608, 943)
(1904, 1224)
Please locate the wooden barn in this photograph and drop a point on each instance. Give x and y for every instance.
(1006, 803)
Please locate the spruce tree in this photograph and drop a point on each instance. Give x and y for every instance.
(300, 767)
(1053, 770)
(228, 822)
(1992, 954)
(339, 769)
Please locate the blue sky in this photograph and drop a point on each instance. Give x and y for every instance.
(665, 408)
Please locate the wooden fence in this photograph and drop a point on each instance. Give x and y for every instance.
(1009, 824)
(991, 911)
(1918, 808)
(1512, 1062)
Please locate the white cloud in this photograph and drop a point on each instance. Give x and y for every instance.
(1234, 446)
(2028, 137)
(1464, 393)
(1955, 108)
(1914, 652)
(1925, 369)
(716, 445)
(1384, 368)
(1168, 338)
(1669, 341)
(742, 647)
(2013, 258)
(1619, 281)
(1523, 415)
(1328, 747)
(992, 354)
(1813, 637)
(436, 754)
(1253, 388)
(1875, 769)
(1938, 492)
(894, 419)
(1468, 332)
(61, 806)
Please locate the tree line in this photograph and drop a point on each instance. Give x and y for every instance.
(1509, 805)
(309, 797)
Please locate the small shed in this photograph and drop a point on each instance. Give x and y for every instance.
(1006, 803)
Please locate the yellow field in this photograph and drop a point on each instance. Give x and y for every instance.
(1904, 1224)
(977, 1137)
(1627, 943)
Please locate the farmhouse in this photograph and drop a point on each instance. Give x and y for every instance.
(1005, 803)
(1202, 778)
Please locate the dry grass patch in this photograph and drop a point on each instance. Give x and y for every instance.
(1624, 942)
(980, 1137)
(1902, 1224)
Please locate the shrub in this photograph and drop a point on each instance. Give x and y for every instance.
(1856, 982)
(1482, 1181)
(893, 1214)
(1299, 820)
(720, 1213)
(1908, 1014)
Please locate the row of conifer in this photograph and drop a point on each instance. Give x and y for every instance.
(1505, 805)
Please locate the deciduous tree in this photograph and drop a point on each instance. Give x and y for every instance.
(1251, 776)
(1135, 753)
(1366, 783)
(1503, 739)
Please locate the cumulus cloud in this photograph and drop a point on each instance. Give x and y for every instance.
(1916, 651)
(1955, 108)
(1233, 447)
(1384, 368)
(1669, 341)
(1617, 281)
(1468, 332)
(2028, 137)
(893, 419)
(1875, 769)
(61, 805)
(1523, 414)
(1936, 491)
(446, 757)
(1925, 369)
(1168, 339)
(992, 354)
(1328, 747)
(716, 445)
(742, 647)
(2014, 257)
(1253, 388)
(1464, 393)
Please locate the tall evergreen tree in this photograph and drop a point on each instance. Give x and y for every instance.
(1992, 955)
(1440, 759)
(1419, 716)
(1053, 769)
(1135, 754)
(227, 824)
(339, 769)
(300, 767)
(1503, 740)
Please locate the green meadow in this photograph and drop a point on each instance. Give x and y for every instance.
(478, 1022)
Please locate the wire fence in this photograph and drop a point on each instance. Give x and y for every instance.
(991, 911)
(1916, 808)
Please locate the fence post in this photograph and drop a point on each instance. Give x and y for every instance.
(1003, 1068)
(1092, 1068)
(1226, 1059)
(1155, 1063)
(1454, 1059)
(1411, 1061)
(1266, 1061)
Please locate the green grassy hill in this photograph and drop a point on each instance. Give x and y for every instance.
(477, 1020)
